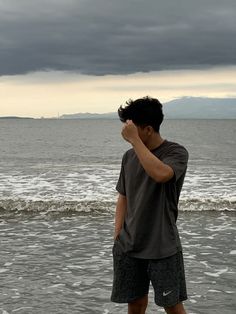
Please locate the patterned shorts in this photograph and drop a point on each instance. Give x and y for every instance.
(132, 277)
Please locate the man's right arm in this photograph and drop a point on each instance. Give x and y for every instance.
(121, 208)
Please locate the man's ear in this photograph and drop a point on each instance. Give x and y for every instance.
(149, 130)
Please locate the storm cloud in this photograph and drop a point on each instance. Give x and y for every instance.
(115, 36)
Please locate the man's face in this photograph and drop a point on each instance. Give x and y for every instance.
(143, 133)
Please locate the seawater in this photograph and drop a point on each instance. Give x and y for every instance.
(57, 201)
(59, 164)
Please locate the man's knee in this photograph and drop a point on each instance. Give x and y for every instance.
(138, 306)
(176, 309)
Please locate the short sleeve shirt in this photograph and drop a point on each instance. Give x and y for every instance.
(149, 230)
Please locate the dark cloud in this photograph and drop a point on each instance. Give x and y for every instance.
(115, 36)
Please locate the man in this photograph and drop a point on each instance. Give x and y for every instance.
(147, 246)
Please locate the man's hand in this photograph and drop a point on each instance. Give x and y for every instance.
(129, 131)
(121, 208)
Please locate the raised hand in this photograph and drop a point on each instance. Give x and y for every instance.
(129, 131)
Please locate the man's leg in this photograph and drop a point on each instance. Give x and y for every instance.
(138, 306)
(176, 309)
(130, 279)
(168, 280)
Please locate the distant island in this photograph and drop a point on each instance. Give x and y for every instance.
(87, 115)
(15, 117)
(181, 108)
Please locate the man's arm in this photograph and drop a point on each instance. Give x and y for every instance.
(121, 208)
(153, 166)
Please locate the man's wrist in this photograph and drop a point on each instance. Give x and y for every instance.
(136, 141)
(116, 233)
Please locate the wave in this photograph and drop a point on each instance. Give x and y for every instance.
(20, 207)
(211, 204)
(13, 207)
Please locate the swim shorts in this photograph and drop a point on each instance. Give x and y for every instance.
(132, 277)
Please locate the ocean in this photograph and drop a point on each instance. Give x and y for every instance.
(57, 202)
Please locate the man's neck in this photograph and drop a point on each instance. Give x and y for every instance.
(155, 141)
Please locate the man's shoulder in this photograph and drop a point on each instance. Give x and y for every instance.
(175, 145)
(172, 148)
(130, 152)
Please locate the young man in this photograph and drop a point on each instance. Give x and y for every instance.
(147, 246)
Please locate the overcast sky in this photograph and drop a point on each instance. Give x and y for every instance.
(88, 39)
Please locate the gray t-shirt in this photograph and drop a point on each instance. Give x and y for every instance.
(149, 230)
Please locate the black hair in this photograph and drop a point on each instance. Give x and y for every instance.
(143, 111)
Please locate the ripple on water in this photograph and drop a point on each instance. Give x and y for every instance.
(77, 270)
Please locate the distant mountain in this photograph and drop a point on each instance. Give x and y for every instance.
(200, 108)
(181, 108)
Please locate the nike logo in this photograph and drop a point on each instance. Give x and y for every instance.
(166, 293)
